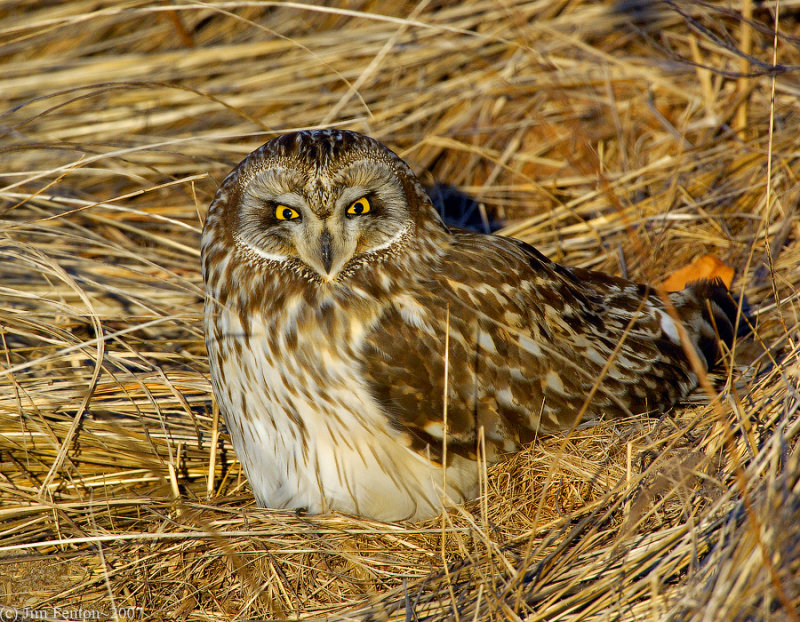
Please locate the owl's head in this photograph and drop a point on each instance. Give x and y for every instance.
(322, 203)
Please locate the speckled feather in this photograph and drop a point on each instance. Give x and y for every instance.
(528, 345)
(332, 381)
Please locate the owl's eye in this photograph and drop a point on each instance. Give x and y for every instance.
(357, 208)
(282, 212)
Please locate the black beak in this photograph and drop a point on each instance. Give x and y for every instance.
(325, 248)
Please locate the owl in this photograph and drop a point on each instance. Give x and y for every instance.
(364, 355)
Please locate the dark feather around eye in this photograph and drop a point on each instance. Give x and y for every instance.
(376, 206)
(273, 211)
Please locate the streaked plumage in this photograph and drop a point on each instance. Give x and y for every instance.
(326, 327)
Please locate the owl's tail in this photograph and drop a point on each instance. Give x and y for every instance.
(711, 316)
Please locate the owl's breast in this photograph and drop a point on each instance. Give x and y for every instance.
(303, 420)
(295, 353)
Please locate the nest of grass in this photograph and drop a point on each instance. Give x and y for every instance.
(628, 137)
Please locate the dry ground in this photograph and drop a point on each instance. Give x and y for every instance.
(629, 137)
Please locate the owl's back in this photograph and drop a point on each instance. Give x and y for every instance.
(532, 346)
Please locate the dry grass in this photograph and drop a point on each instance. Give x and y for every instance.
(625, 141)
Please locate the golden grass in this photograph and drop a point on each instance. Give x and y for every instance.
(626, 141)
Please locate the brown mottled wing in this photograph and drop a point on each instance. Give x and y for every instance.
(528, 340)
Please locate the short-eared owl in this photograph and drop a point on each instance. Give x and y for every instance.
(333, 289)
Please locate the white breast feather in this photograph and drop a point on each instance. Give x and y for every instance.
(344, 455)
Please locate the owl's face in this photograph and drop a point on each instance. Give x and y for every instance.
(324, 204)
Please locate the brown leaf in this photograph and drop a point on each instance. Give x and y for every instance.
(706, 267)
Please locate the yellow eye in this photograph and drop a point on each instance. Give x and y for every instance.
(282, 212)
(357, 208)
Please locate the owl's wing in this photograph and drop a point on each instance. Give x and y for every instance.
(531, 346)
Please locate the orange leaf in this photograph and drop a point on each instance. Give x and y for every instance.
(707, 267)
